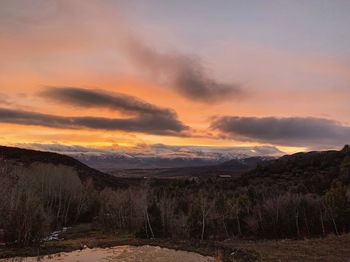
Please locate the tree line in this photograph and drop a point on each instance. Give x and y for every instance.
(205, 212)
(41, 198)
(36, 200)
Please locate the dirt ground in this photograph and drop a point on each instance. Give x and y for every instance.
(331, 248)
(121, 254)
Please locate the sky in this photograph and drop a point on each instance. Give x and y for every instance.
(119, 74)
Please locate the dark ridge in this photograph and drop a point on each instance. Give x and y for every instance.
(346, 148)
(316, 171)
(27, 157)
(244, 164)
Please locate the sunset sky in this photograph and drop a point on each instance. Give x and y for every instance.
(120, 74)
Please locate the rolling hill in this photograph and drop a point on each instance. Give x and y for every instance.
(308, 172)
(27, 157)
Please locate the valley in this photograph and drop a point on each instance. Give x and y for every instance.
(254, 206)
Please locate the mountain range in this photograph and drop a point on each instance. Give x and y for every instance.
(314, 171)
(155, 155)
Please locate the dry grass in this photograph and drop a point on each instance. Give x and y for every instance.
(331, 248)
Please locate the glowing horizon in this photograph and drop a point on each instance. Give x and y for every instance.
(106, 74)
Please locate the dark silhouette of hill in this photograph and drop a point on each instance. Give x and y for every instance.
(243, 164)
(309, 172)
(27, 157)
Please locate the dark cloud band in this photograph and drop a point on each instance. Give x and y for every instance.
(143, 124)
(290, 131)
(100, 99)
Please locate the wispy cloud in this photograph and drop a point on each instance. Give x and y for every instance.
(185, 73)
(4, 99)
(63, 26)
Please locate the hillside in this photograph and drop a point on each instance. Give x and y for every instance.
(27, 157)
(309, 191)
(312, 172)
(243, 164)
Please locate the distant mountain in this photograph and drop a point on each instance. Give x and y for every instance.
(155, 155)
(155, 167)
(27, 157)
(232, 168)
(116, 161)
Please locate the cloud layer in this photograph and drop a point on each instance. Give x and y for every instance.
(147, 118)
(161, 151)
(100, 99)
(185, 73)
(143, 124)
(290, 131)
